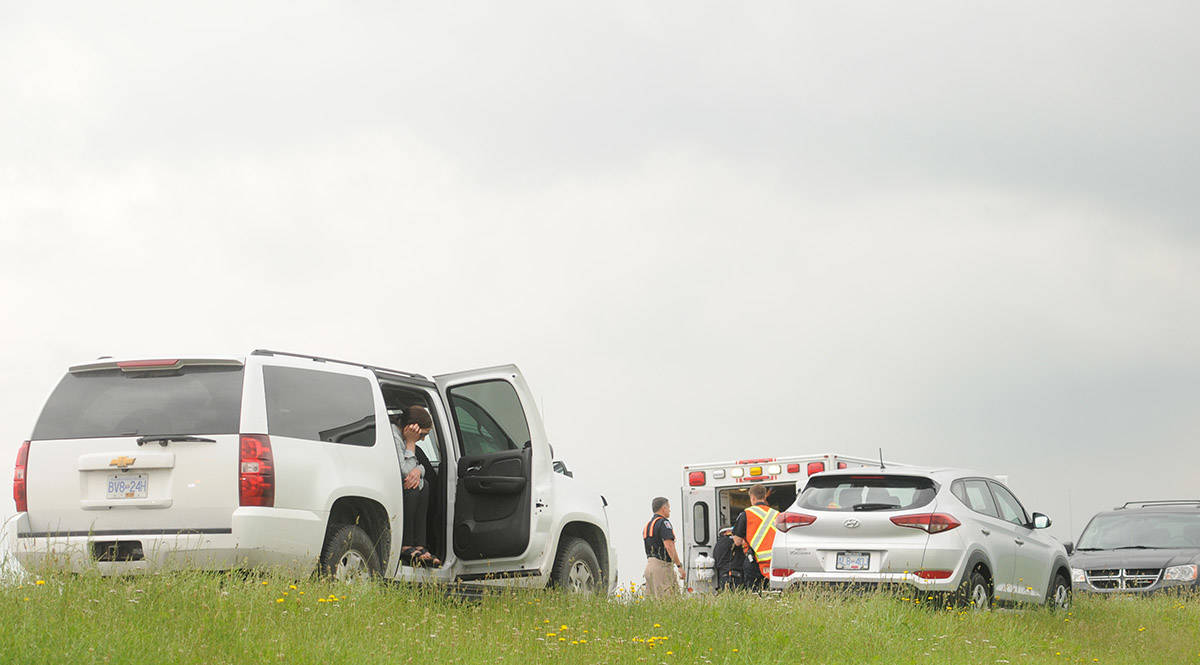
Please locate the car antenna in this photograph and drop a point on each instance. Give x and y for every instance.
(881, 459)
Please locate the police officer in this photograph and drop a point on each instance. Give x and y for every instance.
(728, 561)
(659, 539)
(758, 521)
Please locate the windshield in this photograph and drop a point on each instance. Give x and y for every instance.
(203, 399)
(867, 492)
(1140, 529)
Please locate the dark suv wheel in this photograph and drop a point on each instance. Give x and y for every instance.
(975, 592)
(1059, 595)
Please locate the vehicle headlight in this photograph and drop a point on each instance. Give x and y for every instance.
(1077, 575)
(1181, 573)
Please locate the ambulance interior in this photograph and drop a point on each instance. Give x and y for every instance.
(732, 501)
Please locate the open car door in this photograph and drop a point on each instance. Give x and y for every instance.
(500, 440)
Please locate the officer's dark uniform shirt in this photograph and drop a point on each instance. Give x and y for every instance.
(654, 542)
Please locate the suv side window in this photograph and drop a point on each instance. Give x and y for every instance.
(489, 417)
(319, 406)
(1010, 508)
(975, 494)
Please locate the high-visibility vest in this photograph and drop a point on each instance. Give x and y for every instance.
(760, 534)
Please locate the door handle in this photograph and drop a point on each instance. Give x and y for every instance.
(473, 468)
(986, 532)
(1018, 541)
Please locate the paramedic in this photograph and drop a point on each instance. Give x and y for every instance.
(754, 532)
(659, 540)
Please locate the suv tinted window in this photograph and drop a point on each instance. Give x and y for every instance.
(195, 399)
(1010, 508)
(489, 417)
(847, 493)
(1140, 529)
(319, 406)
(975, 494)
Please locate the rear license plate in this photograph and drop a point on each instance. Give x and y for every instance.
(853, 560)
(128, 486)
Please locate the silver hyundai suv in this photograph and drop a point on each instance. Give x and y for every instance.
(939, 530)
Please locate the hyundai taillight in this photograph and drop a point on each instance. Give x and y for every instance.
(256, 472)
(815, 467)
(787, 521)
(696, 478)
(781, 572)
(928, 522)
(19, 478)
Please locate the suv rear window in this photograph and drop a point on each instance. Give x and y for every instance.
(319, 406)
(200, 399)
(866, 492)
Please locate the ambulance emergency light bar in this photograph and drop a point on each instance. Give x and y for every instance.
(699, 478)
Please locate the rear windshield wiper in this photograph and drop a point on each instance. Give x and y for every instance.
(874, 506)
(164, 440)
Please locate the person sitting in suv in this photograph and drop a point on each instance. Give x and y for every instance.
(408, 427)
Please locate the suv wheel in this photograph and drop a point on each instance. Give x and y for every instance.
(348, 555)
(1059, 597)
(975, 593)
(576, 568)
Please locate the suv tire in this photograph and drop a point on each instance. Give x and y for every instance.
(975, 592)
(1058, 598)
(349, 556)
(576, 569)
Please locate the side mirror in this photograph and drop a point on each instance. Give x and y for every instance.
(1070, 547)
(1040, 521)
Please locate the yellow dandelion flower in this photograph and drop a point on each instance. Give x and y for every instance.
(322, 600)
(551, 634)
(562, 639)
(291, 586)
(26, 597)
(279, 600)
(1141, 628)
(264, 583)
(563, 627)
(670, 653)
(658, 625)
(735, 650)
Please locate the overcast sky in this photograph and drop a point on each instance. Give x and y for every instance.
(966, 233)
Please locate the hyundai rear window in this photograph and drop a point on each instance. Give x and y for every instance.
(867, 492)
(200, 399)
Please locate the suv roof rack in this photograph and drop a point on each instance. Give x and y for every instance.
(1173, 502)
(268, 352)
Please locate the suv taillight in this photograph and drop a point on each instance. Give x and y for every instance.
(786, 521)
(256, 472)
(928, 522)
(19, 495)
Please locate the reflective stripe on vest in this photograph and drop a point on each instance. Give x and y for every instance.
(648, 530)
(761, 523)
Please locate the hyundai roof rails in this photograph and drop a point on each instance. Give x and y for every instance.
(1173, 502)
(268, 352)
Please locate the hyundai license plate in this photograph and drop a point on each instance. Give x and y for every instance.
(128, 486)
(853, 560)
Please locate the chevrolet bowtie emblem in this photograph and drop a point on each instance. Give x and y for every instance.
(122, 462)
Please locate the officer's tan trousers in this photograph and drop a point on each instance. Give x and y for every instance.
(660, 578)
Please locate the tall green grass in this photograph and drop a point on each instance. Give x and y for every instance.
(238, 618)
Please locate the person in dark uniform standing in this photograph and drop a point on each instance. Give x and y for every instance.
(659, 539)
(728, 561)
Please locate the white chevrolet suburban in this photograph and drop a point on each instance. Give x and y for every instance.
(285, 460)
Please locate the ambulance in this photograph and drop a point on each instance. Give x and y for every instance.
(715, 493)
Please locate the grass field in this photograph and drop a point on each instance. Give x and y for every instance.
(196, 618)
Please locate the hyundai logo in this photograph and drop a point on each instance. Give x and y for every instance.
(851, 523)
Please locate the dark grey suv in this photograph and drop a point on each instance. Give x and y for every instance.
(1141, 547)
